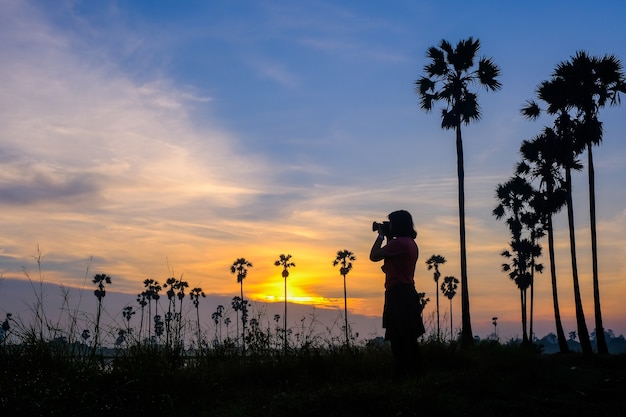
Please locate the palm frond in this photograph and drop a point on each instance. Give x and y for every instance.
(446, 47)
(531, 110)
(437, 66)
(468, 108)
(463, 57)
(448, 119)
(487, 73)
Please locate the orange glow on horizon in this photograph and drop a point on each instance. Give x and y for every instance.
(306, 300)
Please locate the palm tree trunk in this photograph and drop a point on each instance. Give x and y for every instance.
(522, 295)
(285, 320)
(600, 338)
(198, 322)
(345, 307)
(179, 319)
(141, 323)
(583, 333)
(560, 334)
(451, 331)
(437, 292)
(150, 321)
(243, 321)
(168, 338)
(522, 273)
(237, 324)
(97, 331)
(467, 338)
(532, 299)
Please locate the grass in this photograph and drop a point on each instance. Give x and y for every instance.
(40, 378)
(48, 370)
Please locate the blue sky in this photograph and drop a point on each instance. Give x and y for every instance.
(168, 137)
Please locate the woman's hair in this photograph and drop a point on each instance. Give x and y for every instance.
(402, 224)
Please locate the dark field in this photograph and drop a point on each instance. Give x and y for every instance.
(485, 380)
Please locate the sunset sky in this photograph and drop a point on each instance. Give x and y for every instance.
(169, 138)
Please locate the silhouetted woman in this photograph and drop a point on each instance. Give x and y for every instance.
(402, 318)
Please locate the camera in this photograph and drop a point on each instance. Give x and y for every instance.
(383, 228)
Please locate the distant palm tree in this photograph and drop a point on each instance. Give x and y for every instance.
(533, 222)
(215, 316)
(150, 293)
(515, 197)
(227, 323)
(240, 267)
(195, 295)
(345, 259)
(244, 319)
(449, 74)
(519, 271)
(433, 263)
(217, 319)
(100, 280)
(128, 312)
(180, 293)
(237, 305)
(285, 262)
(171, 305)
(158, 326)
(277, 320)
(540, 160)
(591, 83)
(448, 288)
(175, 289)
(142, 301)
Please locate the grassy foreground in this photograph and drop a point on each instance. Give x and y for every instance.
(486, 380)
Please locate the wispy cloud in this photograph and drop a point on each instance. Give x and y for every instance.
(275, 71)
(96, 157)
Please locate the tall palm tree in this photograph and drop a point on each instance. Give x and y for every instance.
(540, 160)
(554, 94)
(100, 280)
(345, 259)
(240, 267)
(448, 288)
(433, 263)
(180, 293)
(175, 289)
(151, 292)
(449, 75)
(171, 305)
(195, 295)
(285, 262)
(591, 83)
(128, 312)
(141, 300)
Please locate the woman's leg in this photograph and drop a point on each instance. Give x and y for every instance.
(407, 355)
